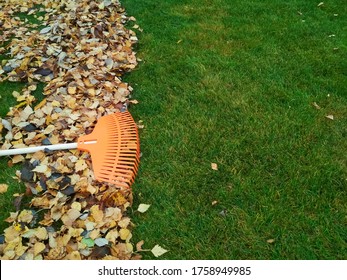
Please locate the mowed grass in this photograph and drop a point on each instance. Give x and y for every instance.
(234, 83)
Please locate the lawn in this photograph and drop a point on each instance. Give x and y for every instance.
(258, 88)
(237, 83)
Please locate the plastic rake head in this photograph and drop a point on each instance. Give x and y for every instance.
(115, 149)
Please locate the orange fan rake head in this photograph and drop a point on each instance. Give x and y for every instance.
(115, 149)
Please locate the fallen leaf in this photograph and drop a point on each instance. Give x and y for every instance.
(157, 251)
(38, 248)
(316, 105)
(101, 242)
(270, 241)
(330, 117)
(214, 202)
(40, 168)
(88, 242)
(143, 208)
(124, 233)
(3, 188)
(214, 166)
(139, 245)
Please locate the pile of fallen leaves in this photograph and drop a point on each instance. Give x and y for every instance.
(80, 50)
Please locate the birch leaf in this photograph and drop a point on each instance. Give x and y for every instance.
(3, 188)
(157, 251)
(143, 208)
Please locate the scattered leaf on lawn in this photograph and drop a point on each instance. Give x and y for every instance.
(143, 208)
(3, 188)
(316, 105)
(139, 245)
(330, 117)
(214, 202)
(214, 166)
(157, 251)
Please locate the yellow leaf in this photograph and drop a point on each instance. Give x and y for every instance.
(38, 248)
(41, 233)
(41, 168)
(214, 166)
(124, 233)
(25, 216)
(40, 105)
(17, 158)
(96, 213)
(3, 188)
(71, 90)
(80, 165)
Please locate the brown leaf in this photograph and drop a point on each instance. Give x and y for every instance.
(139, 245)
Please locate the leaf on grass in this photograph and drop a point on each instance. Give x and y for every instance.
(143, 208)
(316, 105)
(214, 166)
(17, 159)
(3, 188)
(157, 251)
(330, 117)
(139, 245)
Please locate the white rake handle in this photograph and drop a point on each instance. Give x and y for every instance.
(29, 150)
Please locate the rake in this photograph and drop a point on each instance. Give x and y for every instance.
(113, 145)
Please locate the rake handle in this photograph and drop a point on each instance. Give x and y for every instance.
(30, 150)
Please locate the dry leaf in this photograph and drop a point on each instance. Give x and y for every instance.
(143, 208)
(316, 105)
(124, 233)
(81, 60)
(38, 248)
(139, 245)
(3, 188)
(214, 166)
(157, 251)
(41, 169)
(330, 117)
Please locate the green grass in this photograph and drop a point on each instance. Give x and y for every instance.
(233, 82)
